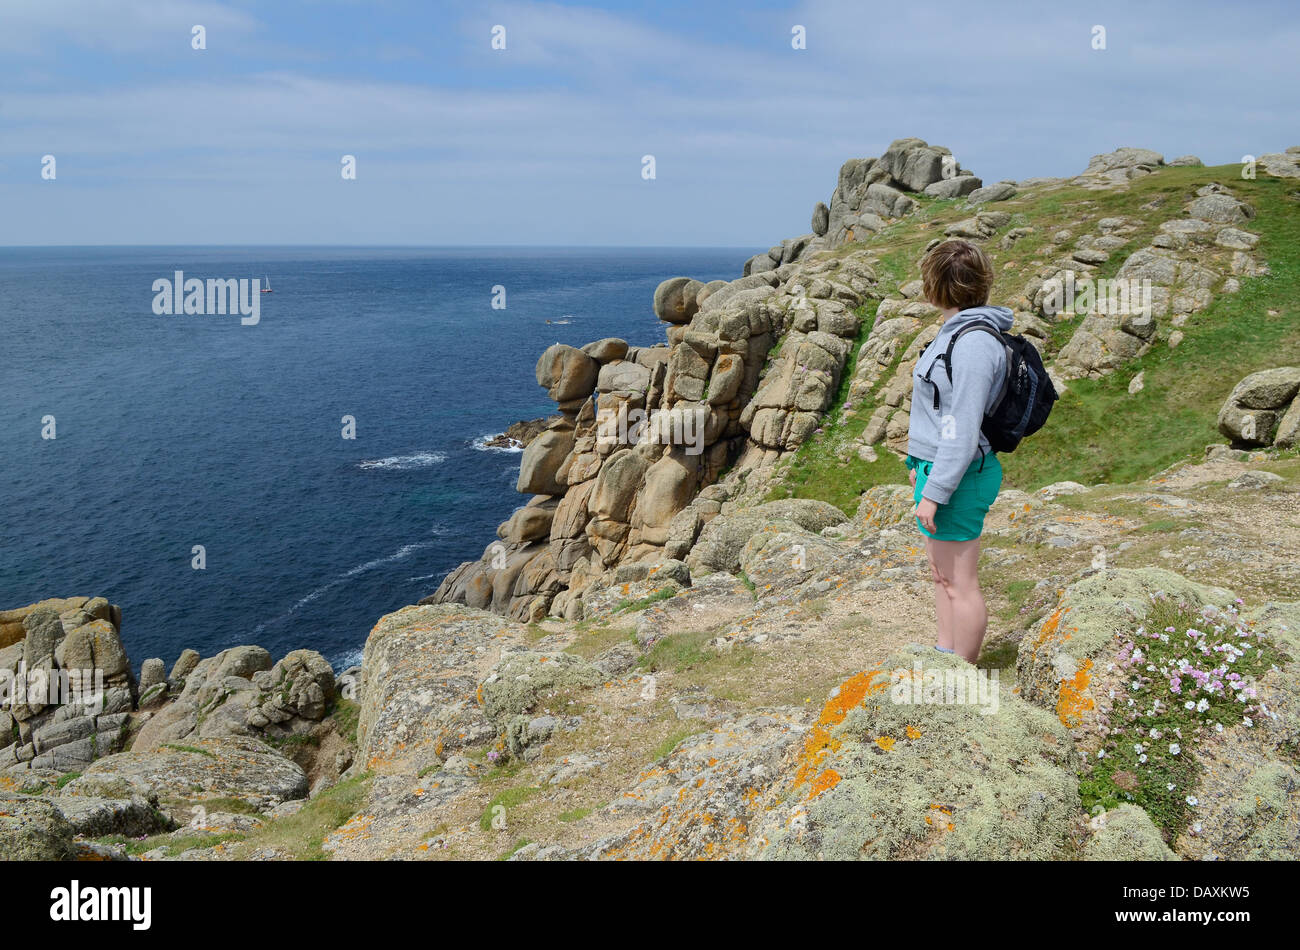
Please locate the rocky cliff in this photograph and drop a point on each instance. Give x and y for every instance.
(751, 366)
(705, 635)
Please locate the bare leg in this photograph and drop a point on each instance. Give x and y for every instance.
(956, 564)
(942, 602)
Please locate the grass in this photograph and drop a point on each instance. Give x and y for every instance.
(998, 655)
(347, 715)
(302, 834)
(678, 651)
(172, 846)
(233, 806)
(633, 606)
(666, 747)
(513, 848)
(593, 641)
(1017, 594)
(505, 800)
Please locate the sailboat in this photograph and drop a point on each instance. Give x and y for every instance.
(267, 289)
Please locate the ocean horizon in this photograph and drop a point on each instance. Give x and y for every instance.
(139, 438)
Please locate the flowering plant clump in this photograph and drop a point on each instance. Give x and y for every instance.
(1183, 675)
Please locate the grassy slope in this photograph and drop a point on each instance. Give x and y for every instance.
(1098, 432)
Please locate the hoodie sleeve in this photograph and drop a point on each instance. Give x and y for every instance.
(974, 371)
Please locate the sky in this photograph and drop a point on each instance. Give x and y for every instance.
(542, 142)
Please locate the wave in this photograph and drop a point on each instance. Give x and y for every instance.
(404, 551)
(481, 443)
(346, 660)
(402, 463)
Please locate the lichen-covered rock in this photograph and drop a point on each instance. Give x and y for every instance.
(775, 560)
(723, 539)
(99, 817)
(302, 684)
(882, 778)
(521, 679)
(423, 666)
(1126, 833)
(702, 800)
(884, 505)
(1057, 665)
(33, 829)
(229, 767)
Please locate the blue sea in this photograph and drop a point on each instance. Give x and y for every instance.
(175, 431)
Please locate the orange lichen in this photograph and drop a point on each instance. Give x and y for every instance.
(886, 742)
(824, 782)
(1074, 700)
(913, 732)
(819, 743)
(1050, 626)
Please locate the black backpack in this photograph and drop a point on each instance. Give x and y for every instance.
(1027, 391)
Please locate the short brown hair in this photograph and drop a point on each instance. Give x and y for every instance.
(957, 274)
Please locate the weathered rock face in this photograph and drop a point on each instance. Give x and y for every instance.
(423, 668)
(72, 691)
(229, 767)
(239, 692)
(870, 190)
(642, 430)
(1121, 165)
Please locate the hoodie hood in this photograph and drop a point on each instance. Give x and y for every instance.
(1000, 317)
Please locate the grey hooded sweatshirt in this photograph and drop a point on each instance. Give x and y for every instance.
(951, 437)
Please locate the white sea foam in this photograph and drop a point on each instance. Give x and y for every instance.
(406, 550)
(405, 462)
(346, 660)
(481, 443)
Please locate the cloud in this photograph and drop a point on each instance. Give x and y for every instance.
(747, 132)
(33, 27)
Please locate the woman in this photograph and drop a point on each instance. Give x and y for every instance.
(955, 474)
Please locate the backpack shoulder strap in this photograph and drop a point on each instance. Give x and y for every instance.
(977, 325)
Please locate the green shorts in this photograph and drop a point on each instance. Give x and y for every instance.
(962, 518)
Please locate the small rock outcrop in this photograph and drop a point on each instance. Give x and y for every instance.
(1263, 409)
